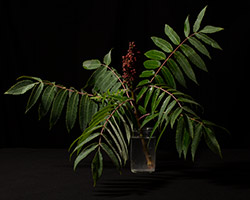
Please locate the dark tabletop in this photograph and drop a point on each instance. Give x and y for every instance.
(34, 174)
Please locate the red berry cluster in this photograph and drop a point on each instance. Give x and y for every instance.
(128, 64)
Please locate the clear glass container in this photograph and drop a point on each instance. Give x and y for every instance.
(142, 151)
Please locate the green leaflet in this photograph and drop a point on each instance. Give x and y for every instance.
(105, 81)
(169, 108)
(110, 83)
(152, 64)
(211, 141)
(211, 29)
(157, 102)
(100, 116)
(97, 166)
(84, 153)
(163, 107)
(175, 115)
(148, 96)
(181, 59)
(102, 81)
(186, 27)
(147, 73)
(181, 99)
(196, 139)
(172, 35)
(95, 76)
(91, 64)
(71, 112)
(211, 124)
(155, 55)
(114, 151)
(208, 40)
(190, 111)
(168, 77)
(126, 127)
(111, 154)
(162, 44)
(141, 93)
(117, 144)
(86, 133)
(115, 127)
(179, 135)
(199, 46)
(115, 87)
(57, 106)
(35, 94)
(174, 68)
(21, 87)
(143, 82)
(93, 108)
(148, 119)
(190, 126)
(83, 142)
(154, 98)
(163, 131)
(159, 80)
(84, 117)
(142, 110)
(46, 101)
(185, 143)
(107, 58)
(30, 77)
(197, 23)
(193, 57)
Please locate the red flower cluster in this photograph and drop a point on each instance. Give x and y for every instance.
(128, 65)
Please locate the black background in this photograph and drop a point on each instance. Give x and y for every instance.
(51, 39)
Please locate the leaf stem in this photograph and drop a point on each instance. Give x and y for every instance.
(70, 90)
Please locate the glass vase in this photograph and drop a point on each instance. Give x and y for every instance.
(142, 151)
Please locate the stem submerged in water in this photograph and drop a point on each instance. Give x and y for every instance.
(143, 142)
